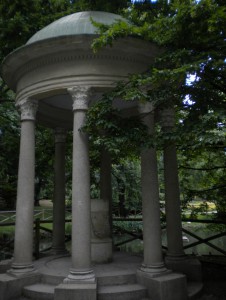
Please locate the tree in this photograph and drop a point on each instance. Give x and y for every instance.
(18, 20)
(192, 36)
(126, 187)
(202, 176)
(9, 147)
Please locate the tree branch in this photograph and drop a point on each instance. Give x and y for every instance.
(202, 169)
(207, 190)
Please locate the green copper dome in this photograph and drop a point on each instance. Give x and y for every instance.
(75, 24)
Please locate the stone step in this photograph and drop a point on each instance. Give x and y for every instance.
(20, 298)
(194, 289)
(52, 279)
(122, 292)
(116, 279)
(129, 291)
(102, 279)
(39, 291)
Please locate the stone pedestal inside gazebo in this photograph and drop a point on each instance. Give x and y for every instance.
(101, 241)
(57, 77)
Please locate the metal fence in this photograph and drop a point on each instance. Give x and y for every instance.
(44, 216)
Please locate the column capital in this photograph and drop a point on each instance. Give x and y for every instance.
(28, 109)
(60, 135)
(167, 117)
(145, 107)
(80, 96)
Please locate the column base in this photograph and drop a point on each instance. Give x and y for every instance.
(175, 257)
(11, 286)
(21, 270)
(80, 276)
(5, 265)
(165, 286)
(59, 251)
(154, 270)
(71, 291)
(190, 266)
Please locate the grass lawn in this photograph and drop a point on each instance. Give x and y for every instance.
(6, 230)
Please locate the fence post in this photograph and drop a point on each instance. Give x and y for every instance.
(37, 237)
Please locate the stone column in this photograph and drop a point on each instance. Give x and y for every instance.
(175, 258)
(161, 283)
(81, 206)
(153, 260)
(23, 245)
(105, 183)
(59, 193)
(101, 215)
(172, 193)
(105, 176)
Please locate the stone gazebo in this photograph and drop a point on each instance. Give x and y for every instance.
(57, 77)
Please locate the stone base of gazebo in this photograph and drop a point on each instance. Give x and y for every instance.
(81, 291)
(117, 280)
(101, 250)
(164, 286)
(190, 266)
(101, 243)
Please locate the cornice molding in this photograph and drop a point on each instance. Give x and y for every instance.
(60, 58)
(30, 57)
(38, 88)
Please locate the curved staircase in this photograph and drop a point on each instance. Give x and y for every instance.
(110, 287)
(119, 288)
(116, 281)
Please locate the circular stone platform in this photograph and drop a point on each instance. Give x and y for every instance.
(116, 280)
(58, 266)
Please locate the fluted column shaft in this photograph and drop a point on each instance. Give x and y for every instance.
(81, 206)
(23, 245)
(172, 192)
(59, 193)
(153, 260)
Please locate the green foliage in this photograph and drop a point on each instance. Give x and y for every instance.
(101, 5)
(199, 53)
(109, 129)
(126, 187)
(201, 209)
(9, 145)
(133, 226)
(191, 38)
(202, 173)
(19, 20)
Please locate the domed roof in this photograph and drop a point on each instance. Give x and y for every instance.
(75, 24)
